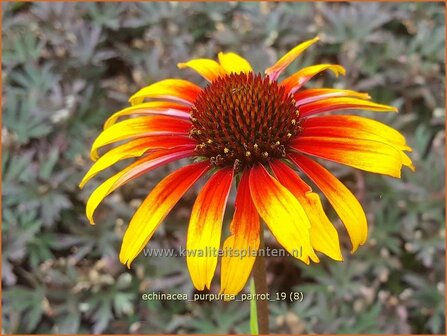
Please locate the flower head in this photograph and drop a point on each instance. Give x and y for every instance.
(261, 132)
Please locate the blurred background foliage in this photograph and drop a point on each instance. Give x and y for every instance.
(68, 66)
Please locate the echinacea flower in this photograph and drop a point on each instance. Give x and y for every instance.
(259, 131)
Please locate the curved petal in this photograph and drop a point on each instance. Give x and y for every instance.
(239, 248)
(207, 68)
(283, 214)
(154, 107)
(205, 228)
(136, 148)
(137, 128)
(175, 89)
(323, 235)
(352, 126)
(299, 78)
(344, 202)
(149, 162)
(156, 207)
(372, 156)
(310, 95)
(355, 127)
(275, 70)
(233, 63)
(343, 103)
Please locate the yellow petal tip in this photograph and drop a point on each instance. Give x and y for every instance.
(90, 218)
(135, 100)
(354, 248)
(337, 257)
(94, 155)
(124, 260)
(339, 70)
(305, 260)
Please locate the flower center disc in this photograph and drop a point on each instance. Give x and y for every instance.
(242, 119)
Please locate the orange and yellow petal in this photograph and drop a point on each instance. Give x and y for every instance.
(136, 148)
(139, 167)
(311, 95)
(154, 107)
(207, 68)
(342, 103)
(282, 213)
(352, 126)
(294, 82)
(355, 127)
(241, 246)
(205, 227)
(343, 201)
(323, 235)
(173, 89)
(373, 156)
(156, 207)
(233, 63)
(275, 70)
(137, 128)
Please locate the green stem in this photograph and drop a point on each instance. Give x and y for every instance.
(254, 330)
(260, 282)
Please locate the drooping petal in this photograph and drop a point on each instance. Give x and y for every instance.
(137, 128)
(156, 207)
(323, 235)
(275, 70)
(294, 82)
(372, 156)
(233, 63)
(342, 103)
(136, 148)
(154, 107)
(139, 167)
(205, 227)
(174, 89)
(283, 214)
(310, 95)
(344, 202)
(207, 68)
(241, 246)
